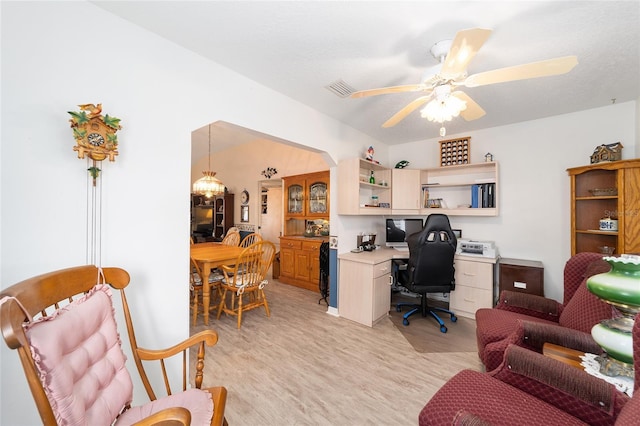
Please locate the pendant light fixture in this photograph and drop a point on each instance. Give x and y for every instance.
(208, 185)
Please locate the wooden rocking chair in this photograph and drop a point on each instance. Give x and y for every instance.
(63, 327)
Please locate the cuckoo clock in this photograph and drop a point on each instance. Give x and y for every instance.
(95, 135)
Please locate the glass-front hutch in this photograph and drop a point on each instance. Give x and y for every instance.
(307, 198)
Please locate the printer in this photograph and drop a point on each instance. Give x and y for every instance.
(476, 248)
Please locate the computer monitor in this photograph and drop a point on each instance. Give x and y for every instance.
(397, 231)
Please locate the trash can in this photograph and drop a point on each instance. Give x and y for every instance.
(275, 273)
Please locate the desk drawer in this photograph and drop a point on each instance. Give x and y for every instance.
(380, 269)
(474, 274)
(525, 276)
(468, 300)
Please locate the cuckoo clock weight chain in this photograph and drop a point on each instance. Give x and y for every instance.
(96, 140)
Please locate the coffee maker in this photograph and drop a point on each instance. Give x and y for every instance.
(366, 242)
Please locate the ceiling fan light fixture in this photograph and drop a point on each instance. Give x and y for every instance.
(443, 107)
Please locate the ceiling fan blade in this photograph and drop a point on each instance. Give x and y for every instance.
(464, 47)
(521, 72)
(390, 89)
(412, 106)
(473, 110)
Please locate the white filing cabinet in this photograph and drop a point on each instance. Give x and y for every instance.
(364, 294)
(474, 285)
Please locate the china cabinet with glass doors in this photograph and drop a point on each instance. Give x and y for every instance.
(307, 196)
(306, 201)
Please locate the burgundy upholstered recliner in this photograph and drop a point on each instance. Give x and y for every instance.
(579, 311)
(530, 389)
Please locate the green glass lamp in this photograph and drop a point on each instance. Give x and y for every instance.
(620, 287)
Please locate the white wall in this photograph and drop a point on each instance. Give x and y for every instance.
(53, 59)
(534, 192)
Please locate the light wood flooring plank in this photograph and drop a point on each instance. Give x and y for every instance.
(303, 366)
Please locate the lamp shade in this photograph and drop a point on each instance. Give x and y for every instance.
(208, 185)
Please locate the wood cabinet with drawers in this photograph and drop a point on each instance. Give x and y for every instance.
(300, 261)
(523, 276)
(365, 287)
(474, 285)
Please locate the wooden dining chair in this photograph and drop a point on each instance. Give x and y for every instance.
(196, 278)
(247, 278)
(250, 239)
(232, 238)
(62, 325)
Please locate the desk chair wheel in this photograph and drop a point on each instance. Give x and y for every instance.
(405, 321)
(398, 308)
(443, 329)
(454, 318)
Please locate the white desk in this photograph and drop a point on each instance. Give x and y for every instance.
(364, 294)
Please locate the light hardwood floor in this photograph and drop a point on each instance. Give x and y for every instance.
(303, 366)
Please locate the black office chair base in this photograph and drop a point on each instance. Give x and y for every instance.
(430, 311)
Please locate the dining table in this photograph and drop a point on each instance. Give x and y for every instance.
(209, 256)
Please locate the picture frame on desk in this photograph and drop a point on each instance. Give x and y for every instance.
(457, 233)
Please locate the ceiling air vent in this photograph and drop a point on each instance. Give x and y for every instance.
(340, 88)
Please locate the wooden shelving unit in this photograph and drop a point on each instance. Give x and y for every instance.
(588, 207)
(223, 215)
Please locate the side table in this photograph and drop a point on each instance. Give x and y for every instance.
(566, 355)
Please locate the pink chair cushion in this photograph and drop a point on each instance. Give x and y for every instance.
(78, 354)
(197, 401)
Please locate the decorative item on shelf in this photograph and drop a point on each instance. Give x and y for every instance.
(455, 151)
(95, 135)
(309, 231)
(604, 192)
(608, 224)
(610, 152)
(488, 157)
(607, 250)
(402, 164)
(208, 185)
(324, 230)
(372, 179)
(620, 287)
(269, 171)
(435, 203)
(369, 155)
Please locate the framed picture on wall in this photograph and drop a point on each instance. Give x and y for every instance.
(244, 213)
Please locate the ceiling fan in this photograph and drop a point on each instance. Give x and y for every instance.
(441, 85)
